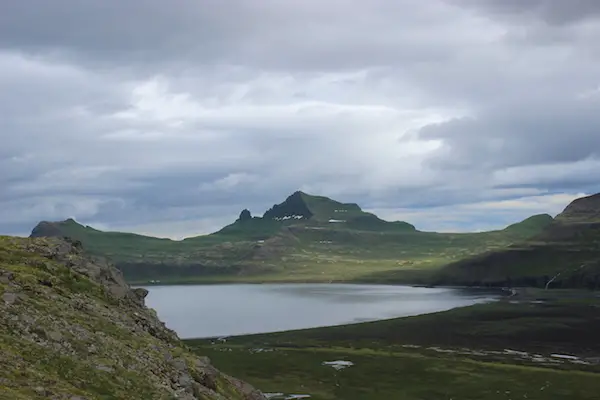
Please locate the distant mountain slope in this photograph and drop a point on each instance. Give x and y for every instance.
(566, 252)
(531, 226)
(71, 328)
(303, 238)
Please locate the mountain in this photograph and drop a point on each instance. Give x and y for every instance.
(301, 209)
(303, 238)
(566, 253)
(71, 328)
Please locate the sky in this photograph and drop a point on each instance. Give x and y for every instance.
(168, 118)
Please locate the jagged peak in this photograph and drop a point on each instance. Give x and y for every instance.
(293, 207)
(245, 215)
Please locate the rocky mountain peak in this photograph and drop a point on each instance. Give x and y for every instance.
(294, 207)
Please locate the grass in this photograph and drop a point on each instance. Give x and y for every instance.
(397, 375)
(425, 357)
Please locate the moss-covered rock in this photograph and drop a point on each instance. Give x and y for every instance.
(71, 328)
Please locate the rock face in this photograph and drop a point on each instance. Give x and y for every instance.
(71, 328)
(245, 215)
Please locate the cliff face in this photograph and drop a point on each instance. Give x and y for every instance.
(71, 328)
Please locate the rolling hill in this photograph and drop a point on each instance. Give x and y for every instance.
(304, 238)
(566, 253)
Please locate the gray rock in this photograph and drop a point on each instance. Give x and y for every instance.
(9, 298)
(117, 291)
(27, 319)
(40, 391)
(249, 392)
(140, 294)
(179, 364)
(104, 368)
(167, 356)
(185, 381)
(202, 362)
(55, 336)
(6, 276)
(186, 396)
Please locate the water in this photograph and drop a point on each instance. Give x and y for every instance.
(196, 311)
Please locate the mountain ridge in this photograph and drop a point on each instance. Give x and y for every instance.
(303, 237)
(52, 228)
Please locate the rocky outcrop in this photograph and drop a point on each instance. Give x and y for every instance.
(71, 328)
(245, 215)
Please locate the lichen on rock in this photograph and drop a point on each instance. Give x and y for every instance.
(71, 328)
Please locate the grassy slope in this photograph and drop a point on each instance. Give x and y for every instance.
(361, 248)
(401, 358)
(63, 335)
(567, 250)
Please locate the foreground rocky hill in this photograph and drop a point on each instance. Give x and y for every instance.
(71, 328)
(566, 253)
(304, 238)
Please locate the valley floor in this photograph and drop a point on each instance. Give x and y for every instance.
(535, 345)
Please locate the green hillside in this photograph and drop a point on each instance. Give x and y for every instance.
(304, 238)
(71, 328)
(565, 253)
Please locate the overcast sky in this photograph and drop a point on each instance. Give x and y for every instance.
(169, 117)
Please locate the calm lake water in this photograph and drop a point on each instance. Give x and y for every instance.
(196, 311)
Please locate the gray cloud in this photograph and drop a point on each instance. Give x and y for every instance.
(556, 12)
(297, 34)
(172, 117)
(548, 132)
